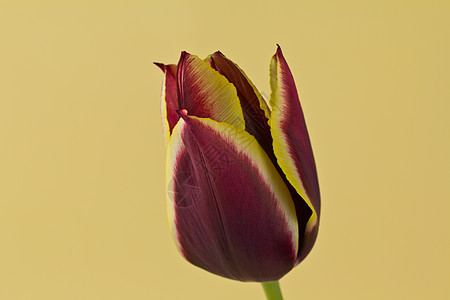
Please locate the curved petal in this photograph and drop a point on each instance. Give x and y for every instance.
(254, 107)
(250, 94)
(169, 101)
(291, 144)
(204, 93)
(231, 213)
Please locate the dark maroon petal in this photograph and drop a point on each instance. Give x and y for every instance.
(292, 146)
(232, 213)
(169, 98)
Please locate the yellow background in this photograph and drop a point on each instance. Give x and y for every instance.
(82, 206)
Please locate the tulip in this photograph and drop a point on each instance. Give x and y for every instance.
(242, 190)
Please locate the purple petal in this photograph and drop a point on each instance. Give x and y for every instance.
(232, 214)
(169, 99)
(292, 146)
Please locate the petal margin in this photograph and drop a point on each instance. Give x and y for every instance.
(169, 99)
(254, 107)
(205, 93)
(292, 146)
(231, 213)
(250, 94)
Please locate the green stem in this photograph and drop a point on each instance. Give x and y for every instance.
(272, 290)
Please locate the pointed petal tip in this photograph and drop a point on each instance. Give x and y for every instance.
(212, 63)
(169, 100)
(160, 65)
(184, 54)
(218, 56)
(279, 52)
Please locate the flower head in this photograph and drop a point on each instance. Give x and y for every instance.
(242, 189)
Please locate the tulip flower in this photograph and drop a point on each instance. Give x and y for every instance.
(242, 190)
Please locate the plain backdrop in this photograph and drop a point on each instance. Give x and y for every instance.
(82, 205)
